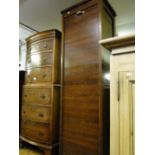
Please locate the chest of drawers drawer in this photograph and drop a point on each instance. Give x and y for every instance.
(38, 75)
(36, 113)
(40, 46)
(40, 59)
(37, 96)
(37, 132)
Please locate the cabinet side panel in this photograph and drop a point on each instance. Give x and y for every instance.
(107, 30)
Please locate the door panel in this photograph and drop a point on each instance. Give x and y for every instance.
(122, 83)
(126, 112)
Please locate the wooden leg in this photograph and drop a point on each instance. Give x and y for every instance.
(54, 151)
(48, 152)
(21, 143)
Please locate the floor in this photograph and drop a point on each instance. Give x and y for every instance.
(29, 150)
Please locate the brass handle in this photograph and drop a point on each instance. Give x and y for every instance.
(68, 12)
(43, 96)
(45, 45)
(44, 75)
(80, 12)
(41, 115)
(34, 78)
(37, 46)
(118, 90)
(40, 134)
(44, 59)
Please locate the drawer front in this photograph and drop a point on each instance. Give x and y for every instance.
(41, 46)
(36, 113)
(36, 132)
(39, 75)
(37, 96)
(41, 59)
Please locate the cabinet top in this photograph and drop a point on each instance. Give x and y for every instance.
(87, 3)
(116, 42)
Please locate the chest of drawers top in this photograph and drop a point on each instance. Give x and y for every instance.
(45, 35)
(42, 41)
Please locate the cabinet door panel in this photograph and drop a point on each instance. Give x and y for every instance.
(122, 104)
(126, 113)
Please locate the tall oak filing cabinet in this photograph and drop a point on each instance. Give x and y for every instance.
(85, 91)
(40, 101)
(122, 94)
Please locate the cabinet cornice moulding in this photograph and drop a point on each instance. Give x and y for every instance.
(116, 42)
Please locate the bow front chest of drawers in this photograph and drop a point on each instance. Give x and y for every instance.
(40, 100)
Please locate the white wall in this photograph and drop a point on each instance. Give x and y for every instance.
(125, 29)
(24, 32)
